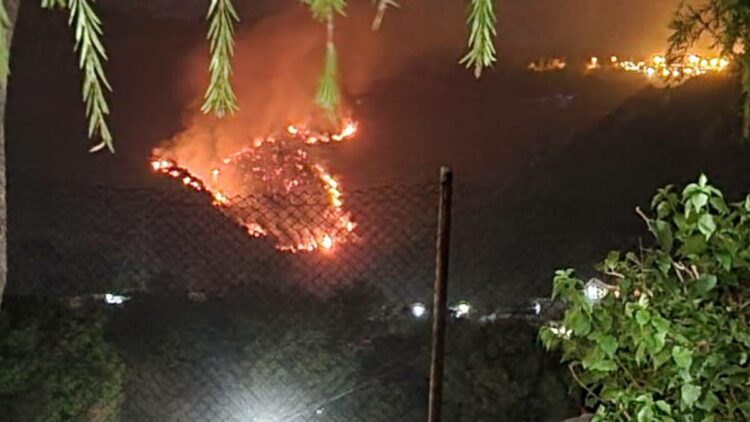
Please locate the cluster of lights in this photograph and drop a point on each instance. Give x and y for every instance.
(282, 167)
(658, 66)
(459, 311)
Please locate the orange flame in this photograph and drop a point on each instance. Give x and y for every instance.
(307, 239)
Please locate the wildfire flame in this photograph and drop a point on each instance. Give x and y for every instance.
(277, 168)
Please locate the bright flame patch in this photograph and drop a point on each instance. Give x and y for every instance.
(274, 189)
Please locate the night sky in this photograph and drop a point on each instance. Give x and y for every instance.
(417, 107)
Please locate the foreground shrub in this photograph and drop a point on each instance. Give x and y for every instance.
(667, 337)
(55, 364)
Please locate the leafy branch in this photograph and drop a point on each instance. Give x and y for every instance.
(220, 97)
(482, 31)
(727, 24)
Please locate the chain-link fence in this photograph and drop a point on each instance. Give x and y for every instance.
(161, 305)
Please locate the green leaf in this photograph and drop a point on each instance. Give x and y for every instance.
(707, 225)
(725, 259)
(580, 322)
(664, 406)
(698, 200)
(690, 394)
(663, 232)
(705, 283)
(709, 402)
(603, 365)
(719, 205)
(682, 357)
(642, 317)
(694, 245)
(661, 358)
(645, 413)
(663, 209)
(608, 344)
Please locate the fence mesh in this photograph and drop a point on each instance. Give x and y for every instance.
(157, 305)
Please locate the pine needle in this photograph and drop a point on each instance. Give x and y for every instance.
(482, 21)
(51, 4)
(329, 96)
(322, 9)
(88, 44)
(220, 98)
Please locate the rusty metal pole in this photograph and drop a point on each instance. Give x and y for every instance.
(440, 295)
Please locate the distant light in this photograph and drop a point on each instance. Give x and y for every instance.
(537, 308)
(461, 310)
(418, 310)
(596, 290)
(115, 299)
(319, 411)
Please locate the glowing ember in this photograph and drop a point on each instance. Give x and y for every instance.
(257, 187)
(311, 138)
(546, 64)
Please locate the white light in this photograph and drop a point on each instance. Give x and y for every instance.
(319, 411)
(537, 308)
(115, 299)
(418, 310)
(461, 310)
(596, 290)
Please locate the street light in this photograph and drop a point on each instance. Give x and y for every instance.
(418, 310)
(461, 310)
(595, 290)
(111, 299)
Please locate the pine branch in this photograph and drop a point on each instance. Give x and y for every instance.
(91, 53)
(220, 97)
(482, 31)
(322, 9)
(382, 6)
(329, 96)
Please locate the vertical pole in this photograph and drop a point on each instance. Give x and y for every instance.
(439, 305)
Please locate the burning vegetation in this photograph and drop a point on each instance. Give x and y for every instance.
(658, 67)
(273, 188)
